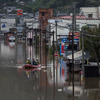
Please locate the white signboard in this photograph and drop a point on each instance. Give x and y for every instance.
(76, 55)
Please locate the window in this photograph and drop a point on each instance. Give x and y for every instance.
(43, 13)
(89, 15)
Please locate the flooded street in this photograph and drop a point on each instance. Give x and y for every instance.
(17, 83)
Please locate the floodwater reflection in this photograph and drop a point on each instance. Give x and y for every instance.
(17, 83)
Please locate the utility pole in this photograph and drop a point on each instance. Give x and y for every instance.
(73, 31)
(46, 61)
(36, 40)
(25, 44)
(53, 68)
(40, 41)
(32, 46)
(53, 60)
(83, 53)
(0, 37)
(45, 50)
(83, 73)
(0, 28)
(57, 56)
(56, 31)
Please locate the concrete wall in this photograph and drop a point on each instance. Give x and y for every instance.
(90, 10)
(99, 12)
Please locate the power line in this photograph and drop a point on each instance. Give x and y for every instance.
(92, 35)
(92, 41)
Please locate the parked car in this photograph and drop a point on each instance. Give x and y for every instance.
(11, 38)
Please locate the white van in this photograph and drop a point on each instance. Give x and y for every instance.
(11, 38)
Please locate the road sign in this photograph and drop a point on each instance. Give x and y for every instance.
(56, 53)
(19, 12)
(3, 26)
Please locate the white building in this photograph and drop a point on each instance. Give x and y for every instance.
(90, 12)
(10, 9)
(31, 22)
(64, 24)
(6, 24)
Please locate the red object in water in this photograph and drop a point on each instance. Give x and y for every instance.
(63, 72)
(30, 66)
(31, 69)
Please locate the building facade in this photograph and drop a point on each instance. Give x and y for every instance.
(91, 12)
(64, 25)
(32, 23)
(44, 15)
(6, 24)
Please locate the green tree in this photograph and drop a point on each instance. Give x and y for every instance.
(92, 42)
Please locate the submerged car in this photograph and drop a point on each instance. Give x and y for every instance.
(11, 38)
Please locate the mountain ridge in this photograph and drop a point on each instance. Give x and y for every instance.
(57, 5)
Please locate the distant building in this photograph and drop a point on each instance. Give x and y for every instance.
(7, 24)
(31, 23)
(10, 16)
(19, 31)
(22, 3)
(37, 14)
(90, 12)
(44, 15)
(64, 25)
(9, 9)
(2, 15)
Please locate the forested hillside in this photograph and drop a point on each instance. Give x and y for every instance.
(62, 5)
(58, 5)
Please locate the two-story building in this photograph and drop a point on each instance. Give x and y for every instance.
(90, 12)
